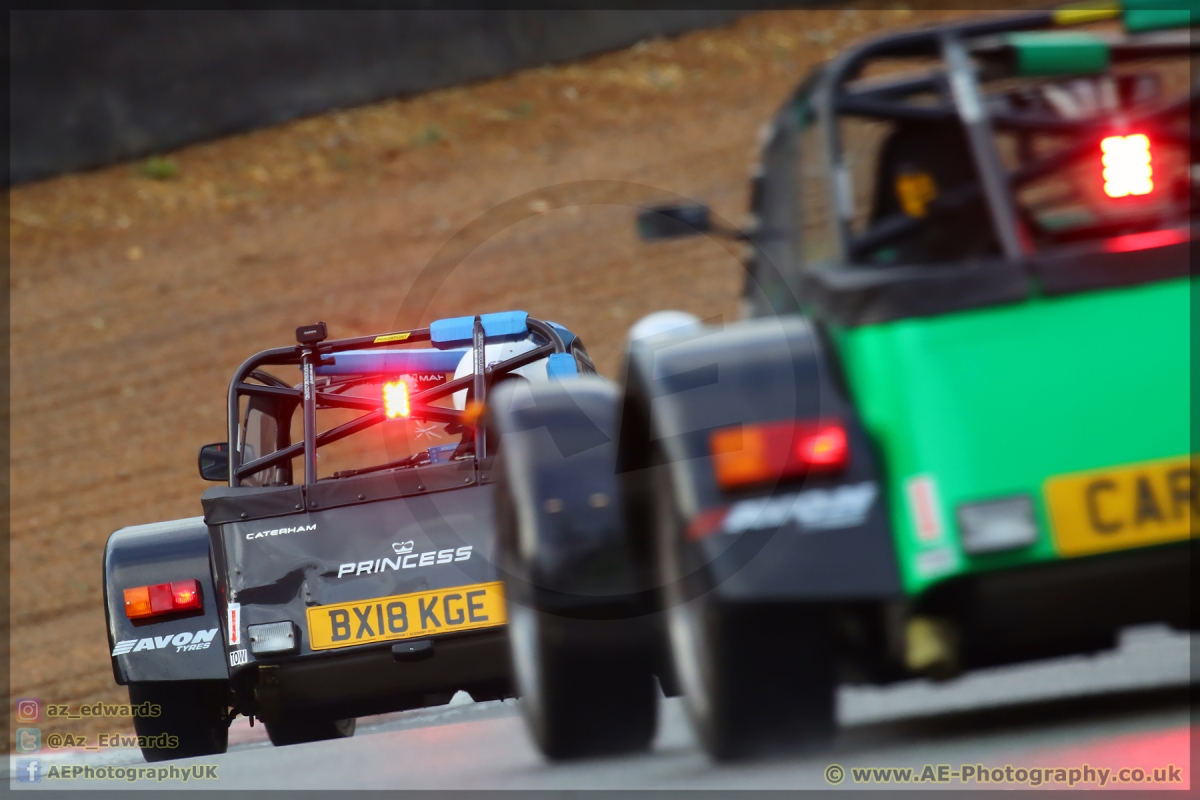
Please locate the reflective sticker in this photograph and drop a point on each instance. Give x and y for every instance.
(235, 621)
(924, 507)
(237, 657)
(391, 337)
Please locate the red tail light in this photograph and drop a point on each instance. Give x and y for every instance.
(772, 451)
(185, 595)
(162, 598)
(1127, 169)
(824, 447)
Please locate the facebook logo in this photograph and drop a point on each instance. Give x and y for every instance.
(29, 770)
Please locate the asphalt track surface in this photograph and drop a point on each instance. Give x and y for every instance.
(1126, 708)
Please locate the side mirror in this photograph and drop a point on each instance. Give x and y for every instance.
(671, 222)
(214, 462)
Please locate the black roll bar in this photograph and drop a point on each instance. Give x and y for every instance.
(957, 83)
(295, 355)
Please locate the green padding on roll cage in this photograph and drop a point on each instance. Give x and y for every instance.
(1157, 15)
(1059, 53)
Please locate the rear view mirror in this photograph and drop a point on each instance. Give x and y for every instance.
(214, 462)
(670, 222)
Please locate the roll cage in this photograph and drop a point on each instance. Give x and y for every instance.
(835, 90)
(311, 396)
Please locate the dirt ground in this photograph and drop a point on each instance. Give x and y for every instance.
(137, 289)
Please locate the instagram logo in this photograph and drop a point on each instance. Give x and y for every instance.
(29, 709)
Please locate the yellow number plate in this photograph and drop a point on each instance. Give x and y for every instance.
(403, 616)
(1123, 507)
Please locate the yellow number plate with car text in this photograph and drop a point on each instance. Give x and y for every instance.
(403, 616)
(1123, 507)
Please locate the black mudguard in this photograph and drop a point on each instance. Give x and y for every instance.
(180, 647)
(682, 386)
(561, 540)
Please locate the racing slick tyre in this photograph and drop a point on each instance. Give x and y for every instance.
(580, 700)
(193, 712)
(285, 733)
(579, 635)
(756, 678)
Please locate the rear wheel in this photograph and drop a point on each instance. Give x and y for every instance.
(192, 719)
(756, 678)
(586, 681)
(285, 733)
(580, 700)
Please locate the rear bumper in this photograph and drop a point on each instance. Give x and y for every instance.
(1070, 606)
(370, 681)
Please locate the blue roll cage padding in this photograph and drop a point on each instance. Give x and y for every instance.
(392, 362)
(503, 326)
(561, 365)
(567, 336)
(456, 331)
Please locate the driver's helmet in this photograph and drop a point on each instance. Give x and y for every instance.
(494, 354)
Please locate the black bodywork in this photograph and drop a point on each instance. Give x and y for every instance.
(157, 553)
(276, 576)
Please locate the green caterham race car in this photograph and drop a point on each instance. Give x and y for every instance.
(953, 432)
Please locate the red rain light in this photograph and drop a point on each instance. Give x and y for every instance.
(771, 451)
(1127, 168)
(395, 399)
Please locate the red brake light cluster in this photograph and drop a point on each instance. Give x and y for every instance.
(162, 598)
(762, 453)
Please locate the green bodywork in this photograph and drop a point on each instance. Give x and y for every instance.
(992, 402)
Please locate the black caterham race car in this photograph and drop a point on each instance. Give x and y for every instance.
(344, 569)
(953, 432)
